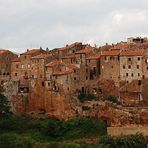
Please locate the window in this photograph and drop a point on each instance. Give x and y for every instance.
(129, 59)
(105, 58)
(127, 74)
(132, 74)
(137, 66)
(112, 66)
(129, 66)
(138, 74)
(86, 78)
(110, 58)
(25, 57)
(15, 74)
(123, 66)
(17, 66)
(75, 78)
(147, 67)
(43, 84)
(138, 58)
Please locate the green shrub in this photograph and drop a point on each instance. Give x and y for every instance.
(129, 141)
(85, 108)
(15, 141)
(83, 97)
(75, 128)
(113, 99)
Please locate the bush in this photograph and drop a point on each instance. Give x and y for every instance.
(83, 97)
(85, 108)
(129, 141)
(15, 141)
(75, 128)
(113, 99)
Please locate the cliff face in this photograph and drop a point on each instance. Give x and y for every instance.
(115, 115)
(41, 103)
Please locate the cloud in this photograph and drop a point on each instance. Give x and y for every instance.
(34, 23)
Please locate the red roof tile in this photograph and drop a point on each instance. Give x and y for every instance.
(42, 56)
(63, 72)
(69, 56)
(86, 50)
(132, 53)
(54, 63)
(32, 51)
(72, 66)
(15, 60)
(111, 53)
(94, 57)
(69, 46)
(4, 51)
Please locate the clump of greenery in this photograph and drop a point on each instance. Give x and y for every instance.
(75, 128)
(123, 141)
(85, 108)
(12, 140)
(4, 106)
(86, 97)
(113, 99)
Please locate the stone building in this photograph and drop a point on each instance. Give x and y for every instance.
(145, 66)
(93, 72)
(25, 62)
(110, 65)
(5, 64)
(38, 66)
(15, 69)
(131, 65)
(136, 40)
(69, 49)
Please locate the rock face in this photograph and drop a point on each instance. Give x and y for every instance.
(116, 116)
(40, 103)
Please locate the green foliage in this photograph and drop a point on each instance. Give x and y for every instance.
(75, 128)
(15, 141)
(129, 141)
(85, 108)
(83, 97)
(4, 106)
(113, 99)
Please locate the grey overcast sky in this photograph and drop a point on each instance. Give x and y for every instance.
(55, 23)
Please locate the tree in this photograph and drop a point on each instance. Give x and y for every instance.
(4, 106)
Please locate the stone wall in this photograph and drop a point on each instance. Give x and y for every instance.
(116, 131)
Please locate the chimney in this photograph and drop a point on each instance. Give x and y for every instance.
(27, 49)
(40, 48)
(47, 49)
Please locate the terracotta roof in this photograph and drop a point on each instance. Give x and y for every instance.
(15, 60)
(69, 46)
(54, 63)
(94, 57)
(72, 66)
(63, 72)
(32, 51)
(132, 53)
(42, 56)
(86, 50)
(111, 52)
(3, 51)
(146, 56)
(69, 56)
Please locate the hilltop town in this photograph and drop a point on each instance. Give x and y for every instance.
(108, 82)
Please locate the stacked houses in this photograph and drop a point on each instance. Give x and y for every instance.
(78, 68)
